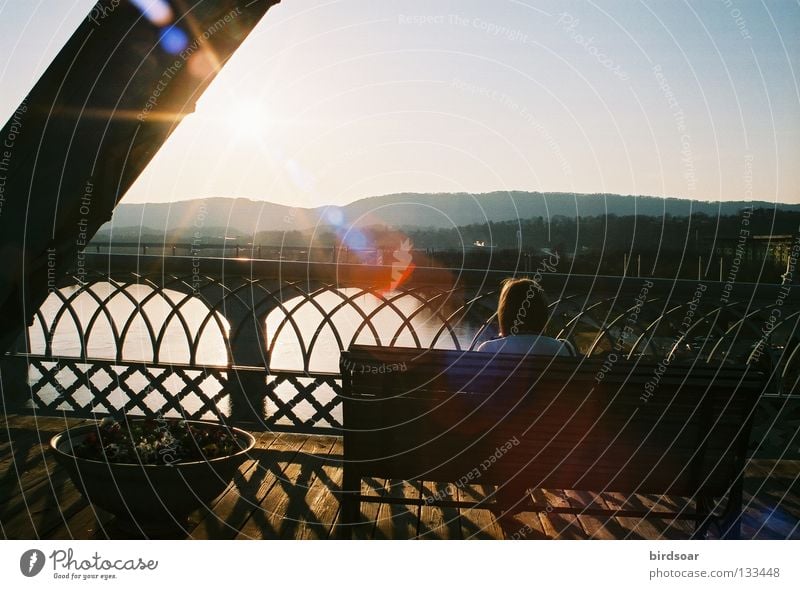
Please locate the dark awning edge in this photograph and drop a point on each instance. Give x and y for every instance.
(90, 126)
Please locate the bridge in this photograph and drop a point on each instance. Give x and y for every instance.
(209, 337)
(276, 329)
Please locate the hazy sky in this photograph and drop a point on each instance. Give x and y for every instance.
(330, 101)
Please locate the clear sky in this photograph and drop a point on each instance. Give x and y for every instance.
(330, 101)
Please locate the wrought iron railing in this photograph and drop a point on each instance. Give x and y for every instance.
(258, 343)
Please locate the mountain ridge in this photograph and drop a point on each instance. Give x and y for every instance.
(423, 210)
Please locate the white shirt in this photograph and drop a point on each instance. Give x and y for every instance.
(539, 345)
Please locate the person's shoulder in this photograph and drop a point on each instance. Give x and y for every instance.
(514, 344)
(567, 349)
(559, 347)
(492, 345)
(528, 344)
(546, 345)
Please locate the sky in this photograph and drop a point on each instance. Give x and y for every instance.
(330, 101)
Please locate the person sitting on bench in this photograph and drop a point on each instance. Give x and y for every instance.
(522, 314)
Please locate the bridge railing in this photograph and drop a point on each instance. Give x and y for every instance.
(258, 343)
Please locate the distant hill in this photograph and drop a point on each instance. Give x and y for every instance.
(240, 216)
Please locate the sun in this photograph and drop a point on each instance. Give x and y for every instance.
(246, 118)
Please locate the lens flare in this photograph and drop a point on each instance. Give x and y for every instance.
(158, 12)
(174, 40)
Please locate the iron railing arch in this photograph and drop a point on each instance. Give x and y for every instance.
(236, 301)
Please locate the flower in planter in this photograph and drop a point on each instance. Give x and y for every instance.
(156, 441)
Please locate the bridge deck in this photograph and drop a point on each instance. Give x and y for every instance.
(289, 491)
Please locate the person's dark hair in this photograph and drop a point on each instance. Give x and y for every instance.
(522, 308)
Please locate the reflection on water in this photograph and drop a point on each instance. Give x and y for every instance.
(130, 311)
(364, 320)
(322, 326)
(318, 320)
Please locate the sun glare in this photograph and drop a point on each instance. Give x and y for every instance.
(246, 118)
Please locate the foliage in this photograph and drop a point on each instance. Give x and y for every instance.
(156, 441)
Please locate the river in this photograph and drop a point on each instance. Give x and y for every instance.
(211, 351)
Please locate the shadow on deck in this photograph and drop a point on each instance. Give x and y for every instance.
(289, 490)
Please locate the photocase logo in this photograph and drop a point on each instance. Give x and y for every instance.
(31, 562)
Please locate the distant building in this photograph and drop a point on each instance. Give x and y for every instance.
(754, 250)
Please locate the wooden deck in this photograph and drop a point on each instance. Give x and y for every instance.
(289, 491)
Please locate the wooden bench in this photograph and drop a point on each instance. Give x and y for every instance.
(536, 422)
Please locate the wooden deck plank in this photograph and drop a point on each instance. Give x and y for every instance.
(25, 465)
(775, 499)
(32, 424)
(562, 526)
(771, 499)
(25, 433)
(46, 506)
(753, 527)
(35, 488)
(397, 521)
(525, 525)
(322, 498)
(632, 528)
(768, 467)
(12, 491)
(364, 528)
(236, 506)
(278, 512)
(27, 461)
(770, 514)
(649, 528)
(36, 469)
(597, 527)
(479, 523)
(88, 523)
(676, 529)
(299, 517)
(770, 522)
(298, 484)
(439, 523)
(20, 438)
(206, 521)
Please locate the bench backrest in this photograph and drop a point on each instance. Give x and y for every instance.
(626, 426)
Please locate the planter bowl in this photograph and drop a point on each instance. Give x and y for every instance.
(153, 499)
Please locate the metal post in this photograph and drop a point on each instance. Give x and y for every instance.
(249, 361)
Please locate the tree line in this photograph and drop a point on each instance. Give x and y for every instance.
(662, 246)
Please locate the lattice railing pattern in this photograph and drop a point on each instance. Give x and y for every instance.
(310, 402)
(266, 350)
(133, 319)
(102, 387)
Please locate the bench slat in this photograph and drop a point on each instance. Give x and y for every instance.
(631, 426)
